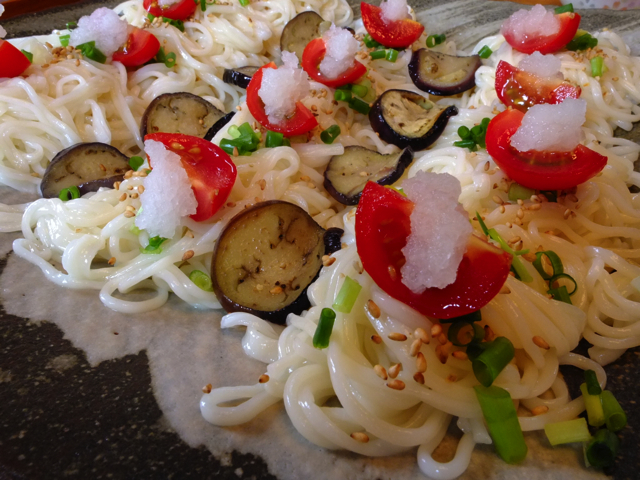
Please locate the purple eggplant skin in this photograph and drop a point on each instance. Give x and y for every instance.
(239, 77)
(342, 168)
(385, 109)
(425, 64)
(87, 166)
(292, 223)
(219, 125)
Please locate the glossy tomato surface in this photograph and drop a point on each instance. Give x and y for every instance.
(395, 34)
(521, 90)
(141, 47)
(539, 170)
(382, 227)
(12, 61)
(312, 56)
(300, 122)
(569, 23)
(211, 171)
(181, 10)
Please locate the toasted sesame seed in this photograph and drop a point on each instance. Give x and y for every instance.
(520, 213)
(374, 310)
(188, 233)
(130, 187)
(505, 290)
(520, 202)
(535, 206)
(436, 330)
(128, 174)
(328, 260)
(460, 355)
(539, 410)
(419, 378)
(397, 336)
(116, 186)
(394, 370)
(264, 378)
(195, 150)
(380, 371)
(276, 290)
(360, 437)
(304, 178)
(235, 151)
(567, 213)
(392, 272)
(207, 388)
(396, 384)
(515, 239)
(541, 342)
(134, 195)
(231, 204)
(487, 165)
(129, 214)
(187, 255)
(263, 184)
(376, 339)
(422, 334)
(123, 197)
(415, 347)
(497, 199)
(442, 338)
(112, 261)
(177, 146)
(502, 209)
(452, 378)
(421, 362)
(130, 208)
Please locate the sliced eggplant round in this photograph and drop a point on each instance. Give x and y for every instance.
(218, 125)
(180, 112)
(440, 74)
(87, 166)
(265, 259)
(347, 174)
(333, 240)
(300, 30)
(239, 77)
(407, 119)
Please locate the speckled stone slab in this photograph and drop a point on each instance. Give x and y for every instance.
(72, 408)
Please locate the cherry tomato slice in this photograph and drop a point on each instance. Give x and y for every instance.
(12, 61)
(180, 10)
(312, 56)
(396, 34)
(521, 90)
(211, 171)
(300, 122)
(382, 227)
(569, 23)
(539, 170)
(141, 47)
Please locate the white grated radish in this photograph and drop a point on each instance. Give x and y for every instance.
(167, 195)
(393, 10)
(541, 65)
(537, 22)
(3, 32)
(440, 230)
(342, 47)
(104, 27)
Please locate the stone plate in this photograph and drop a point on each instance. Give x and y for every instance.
(88, 393)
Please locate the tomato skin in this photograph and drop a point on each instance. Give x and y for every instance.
(396, 34)
(521, 90)
(181, 10)
(382, 226)
(569, 23)
(312, 56)
(12, 61)
(141, 47)
(301, 122)
(539, 170)
(211, 171)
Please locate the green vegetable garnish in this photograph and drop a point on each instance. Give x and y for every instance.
(90, 51)
(433, 40)
(347, 295)
(324, 328)
(154, 245)
(201, 280)
(496, 355)
(603, 448)
(169, 59)
(64, 40)
(29, 55)
(564, 9)
(69, 193)
(329, 135)
(582, 41)
(571, 431)
(136, 162)
(485, 52)
(614, 415)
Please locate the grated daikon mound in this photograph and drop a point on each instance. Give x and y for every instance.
(167, 195)
(282, 87)
(440, 230)
(104, 27)
(541, 65)
(3, 32)
(531, 23)
(341, 51)
(393, 10)
(553, 128)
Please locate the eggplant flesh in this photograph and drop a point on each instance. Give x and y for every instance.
(299, 31)
(440, 74)
(239, 77)
(265, 259)
(407, 119)
(347, 174)
(87, 166)
(180, 112)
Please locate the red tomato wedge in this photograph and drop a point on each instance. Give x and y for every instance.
(521, 90)
(181, 10)
(396, 34)
(312, 56)
(12, 61)
(569, 23)
(211, 171)
(300, 122)
(382, 228)
(539, 170)
(141, 47)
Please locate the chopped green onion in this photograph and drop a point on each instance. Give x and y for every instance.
(69, 193)
(203, 5)
(329, 135)
(475, 349)
(391, 55)
(561, 294)
(201, 280)
(71, 25)
(518, 192)
(564, 9)
(90, 51)
(517, 266)
(154, 245)
(370, 42)
(136, 162)
(29, 55)
(603, 448)
(614, 415)
(274, 139)
(485, 52)
(593, 404)
(502, 422)
(433, 40)
(571, 431)
(359, 90)
(179, 24)
(378, 54)
(597, 66)
(324, 328)
(135, 230)
(559, 276)
(347, 295)
(359, 106)
(554, 259)
(245, 3)
(368, 96)
(582, 41)
(246, 129)
(463, 333)
(245, 143)
(464, 132)
(469, 317)
(470, 144)
(233, 131)
(593, 386)
(492, 360)
(342, 96)
(483, 225)
(64, 40)
(169, 59)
